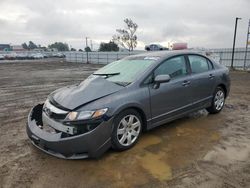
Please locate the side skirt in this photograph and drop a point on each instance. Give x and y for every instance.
(179, 113)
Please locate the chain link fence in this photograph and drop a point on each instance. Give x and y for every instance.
(223, 56)
(96, 57)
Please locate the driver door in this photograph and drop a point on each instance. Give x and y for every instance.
(174, 97)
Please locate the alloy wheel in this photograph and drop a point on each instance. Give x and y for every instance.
(128, 130)
(219, 100)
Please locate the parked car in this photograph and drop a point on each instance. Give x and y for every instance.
(30, 56)
(11, 56)
(46, 55)
(22, 56)
(38, 56)
(58, 54)
(155, 47)
(2, 57)
(116, 103)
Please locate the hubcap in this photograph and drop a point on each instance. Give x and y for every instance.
(128, 130)
(219, 100)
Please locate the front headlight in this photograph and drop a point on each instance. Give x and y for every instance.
(83, 115)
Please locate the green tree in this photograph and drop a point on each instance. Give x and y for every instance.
(32, 45)
(107, 47)
(87, 49)
(126, 37)
(80, 50)
(72, 49)
(25, 46)
(59, 46)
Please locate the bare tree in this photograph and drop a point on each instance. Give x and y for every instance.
(126, 37)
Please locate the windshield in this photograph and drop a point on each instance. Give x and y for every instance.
(124, 71)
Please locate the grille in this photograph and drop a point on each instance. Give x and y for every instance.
(51, 111)
(57, 116)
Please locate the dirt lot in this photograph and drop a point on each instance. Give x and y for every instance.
(200, 150)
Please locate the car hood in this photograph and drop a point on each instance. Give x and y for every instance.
(91, 89)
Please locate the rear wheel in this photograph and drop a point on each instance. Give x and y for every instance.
(127, 129)
(218, 101)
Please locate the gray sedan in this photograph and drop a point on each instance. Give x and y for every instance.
(114, 105)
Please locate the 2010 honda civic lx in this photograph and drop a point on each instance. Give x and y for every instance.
(116, 103)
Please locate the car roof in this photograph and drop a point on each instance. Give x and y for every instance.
(164, 54)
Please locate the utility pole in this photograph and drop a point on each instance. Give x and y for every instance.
(87, 49)
(91, 44)
(247, 44)
(235, 31)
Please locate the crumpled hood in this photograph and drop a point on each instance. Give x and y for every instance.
(94, 87)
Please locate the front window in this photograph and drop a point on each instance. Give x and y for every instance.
(125, 71)
(174, 67)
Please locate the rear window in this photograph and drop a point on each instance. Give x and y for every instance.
(198, 64)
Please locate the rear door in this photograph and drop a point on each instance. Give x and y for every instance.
(202, 79)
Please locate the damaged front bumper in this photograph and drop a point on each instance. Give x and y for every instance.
(91, 144)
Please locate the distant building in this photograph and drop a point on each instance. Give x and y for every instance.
(17, 48)
(5, 47)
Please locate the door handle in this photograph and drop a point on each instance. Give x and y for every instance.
(211, 76)
(186, 83)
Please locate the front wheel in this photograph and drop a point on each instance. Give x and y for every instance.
(127, 129)
(218, 101)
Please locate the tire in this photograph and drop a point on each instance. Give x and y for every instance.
(218, 101)
(127, 130)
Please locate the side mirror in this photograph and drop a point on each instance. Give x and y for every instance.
(163, 78)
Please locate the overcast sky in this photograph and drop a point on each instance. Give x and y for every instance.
(200, 23)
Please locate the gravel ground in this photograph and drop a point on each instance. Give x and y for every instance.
(199, 150)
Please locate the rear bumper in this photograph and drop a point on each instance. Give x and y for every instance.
(90, 144)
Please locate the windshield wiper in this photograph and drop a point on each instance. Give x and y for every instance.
(107, 74)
